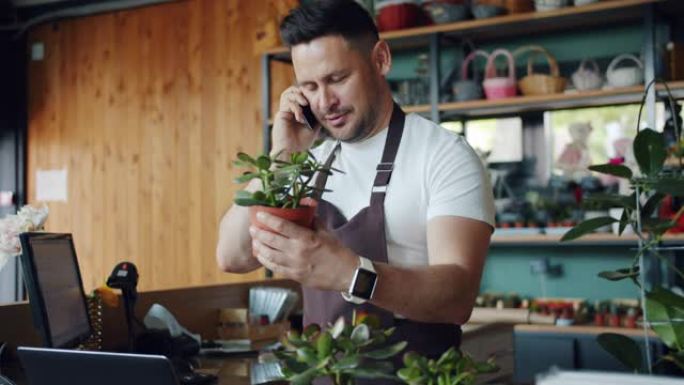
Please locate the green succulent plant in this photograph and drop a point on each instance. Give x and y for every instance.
(452, 368)
(663, 308)
(284, 183)
(343, 352)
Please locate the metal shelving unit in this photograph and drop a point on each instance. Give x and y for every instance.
(602, 14)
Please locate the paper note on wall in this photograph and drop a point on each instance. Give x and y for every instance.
(51, 185)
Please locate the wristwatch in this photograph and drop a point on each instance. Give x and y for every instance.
(363, 284)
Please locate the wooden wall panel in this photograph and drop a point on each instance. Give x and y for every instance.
(146, 109)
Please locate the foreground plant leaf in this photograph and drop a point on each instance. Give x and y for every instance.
(587, 227)
(620, 274)
(665, 311)
(649, 151)
(617, 170)
(623, 348)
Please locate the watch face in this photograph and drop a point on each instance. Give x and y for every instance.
(365, 283)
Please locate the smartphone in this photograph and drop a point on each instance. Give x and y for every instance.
(310, 118)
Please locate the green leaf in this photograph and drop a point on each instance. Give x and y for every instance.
(373, 370)
(662, 307)
(649, 151)
(299, 157)
(623, 348)
(651, 205)
(360, 334)
(307, 355)
(248, 202)
(617, 170)
(246, 177)
(486, 367)
(324, 344)
(669, 185)
(387, 352)
(304, 378)
(295, 366)
(448, 355)
(676, 358)
(246, 159)
(263, 162)
(411, 358)
(587, 227)
(613, 199)
(463, 378)
(620, 274)
(310, 330)
(624, 221)
(348, 362)
(410, 374)
(337, 328)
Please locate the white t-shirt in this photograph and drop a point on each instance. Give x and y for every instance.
(436, 173)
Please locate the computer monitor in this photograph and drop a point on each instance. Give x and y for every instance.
(55, 288)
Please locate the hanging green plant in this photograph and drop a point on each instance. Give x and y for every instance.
(663, 308)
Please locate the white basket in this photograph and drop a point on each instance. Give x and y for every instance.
(587, 77)
(579, 3)
(625, 76)
(549, 5)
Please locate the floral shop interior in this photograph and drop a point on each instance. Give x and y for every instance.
(176, 178)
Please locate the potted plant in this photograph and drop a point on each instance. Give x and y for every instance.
(343, 352)
(286, 185)
(452, 368)
(662, 308)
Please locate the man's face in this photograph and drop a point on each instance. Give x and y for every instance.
(341, 84)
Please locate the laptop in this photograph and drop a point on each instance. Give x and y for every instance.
(43, 366)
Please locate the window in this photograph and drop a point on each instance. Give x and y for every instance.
(611, 133)
(502, 138)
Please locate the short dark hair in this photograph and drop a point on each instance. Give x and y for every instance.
(321, 18)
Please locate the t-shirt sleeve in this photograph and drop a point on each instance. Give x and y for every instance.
(458, 184)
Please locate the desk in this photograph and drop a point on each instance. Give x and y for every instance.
(196, 308)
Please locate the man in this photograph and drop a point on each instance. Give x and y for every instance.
(405, 231)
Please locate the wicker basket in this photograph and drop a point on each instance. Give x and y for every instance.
(519, 6)
(468, 89)
(541, 84)
(499, 87)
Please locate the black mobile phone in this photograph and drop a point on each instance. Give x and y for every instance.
(310, 117)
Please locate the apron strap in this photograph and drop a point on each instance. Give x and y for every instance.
(385, 167)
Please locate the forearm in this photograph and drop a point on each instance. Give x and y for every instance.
(234, 248)
(440, 293)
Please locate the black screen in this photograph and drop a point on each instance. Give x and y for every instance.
(57, 283)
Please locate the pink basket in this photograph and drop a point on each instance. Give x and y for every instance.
(497, 87)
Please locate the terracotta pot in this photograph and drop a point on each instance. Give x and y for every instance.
(303, 215)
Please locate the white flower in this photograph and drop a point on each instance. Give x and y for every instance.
(36, 215)
(29, 218)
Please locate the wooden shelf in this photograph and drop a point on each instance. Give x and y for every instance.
(596, 239)
(522, 104)
(581, 329)
(506, 26)
(569, 100)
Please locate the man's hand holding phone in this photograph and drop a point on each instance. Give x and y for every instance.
(295, 126)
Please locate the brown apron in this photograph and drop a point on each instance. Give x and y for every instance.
(365, 234)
